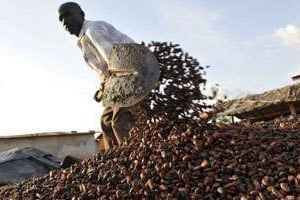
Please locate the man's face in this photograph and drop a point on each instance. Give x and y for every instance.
(72, 19)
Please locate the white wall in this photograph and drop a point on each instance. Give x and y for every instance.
(60, 145)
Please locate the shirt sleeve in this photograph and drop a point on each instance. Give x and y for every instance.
(97, 37)
(101, 47)
(103, 36)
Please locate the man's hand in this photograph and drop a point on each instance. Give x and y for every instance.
(98, 96)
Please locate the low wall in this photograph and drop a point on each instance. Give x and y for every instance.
(60, 144)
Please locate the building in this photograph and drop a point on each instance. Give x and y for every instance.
(60, 144)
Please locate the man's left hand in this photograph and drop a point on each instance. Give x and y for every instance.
(98, 96)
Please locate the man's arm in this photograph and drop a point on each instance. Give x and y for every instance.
(99, 39)
(101, 66)
(103, 39)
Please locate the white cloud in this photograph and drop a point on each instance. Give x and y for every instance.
(241, 61)
(289, 35)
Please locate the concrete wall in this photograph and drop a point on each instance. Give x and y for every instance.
(79, 145)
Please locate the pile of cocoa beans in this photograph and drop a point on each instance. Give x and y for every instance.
(167, 162)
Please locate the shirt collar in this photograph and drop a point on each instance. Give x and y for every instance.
(84, 27)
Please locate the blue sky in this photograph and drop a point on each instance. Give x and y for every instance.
(251, 46)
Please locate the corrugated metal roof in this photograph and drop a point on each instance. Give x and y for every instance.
(264, 106)
(19, 164)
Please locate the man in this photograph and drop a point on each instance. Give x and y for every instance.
(96, 39)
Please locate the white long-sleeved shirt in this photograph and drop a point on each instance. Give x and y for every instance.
(96, 39)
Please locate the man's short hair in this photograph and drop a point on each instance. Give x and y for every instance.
(71, 5)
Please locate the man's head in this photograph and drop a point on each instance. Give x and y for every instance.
(72, 17)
